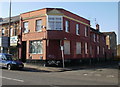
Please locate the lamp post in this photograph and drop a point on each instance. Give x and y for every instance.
(9, 27)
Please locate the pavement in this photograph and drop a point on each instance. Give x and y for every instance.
(70, 68)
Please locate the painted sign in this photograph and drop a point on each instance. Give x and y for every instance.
(13, 41)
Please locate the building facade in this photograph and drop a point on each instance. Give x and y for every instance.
(111, 42)
(46, 32)
(14, 33)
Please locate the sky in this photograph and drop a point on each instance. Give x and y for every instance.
(105, 13)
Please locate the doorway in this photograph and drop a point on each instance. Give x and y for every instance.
(23, 51)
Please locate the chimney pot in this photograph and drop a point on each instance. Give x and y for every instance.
(97, 27)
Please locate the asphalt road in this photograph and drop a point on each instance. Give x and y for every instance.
(103, 76)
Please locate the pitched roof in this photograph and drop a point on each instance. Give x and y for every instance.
(13, 19)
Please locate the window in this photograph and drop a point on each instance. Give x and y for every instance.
(78, 48)
(15, 32)
(25, 26)
(36, 47)
(77, 29)
(66, 47)
(97, 38)
(98, 49)
(103, 50)
(3, 31)
(91, 50)
(86, 31)
(54, 22)
(86, 48)
(11, 31)
(38, 25)
(67, 26)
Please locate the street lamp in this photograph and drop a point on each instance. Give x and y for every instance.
(9, 28)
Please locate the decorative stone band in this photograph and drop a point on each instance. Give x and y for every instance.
(42, 15)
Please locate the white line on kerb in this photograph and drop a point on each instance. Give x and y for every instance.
(12, 79)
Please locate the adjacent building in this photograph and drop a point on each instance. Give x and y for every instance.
(14, 33)
(111, 42)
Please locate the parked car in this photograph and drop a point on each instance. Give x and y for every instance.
(7, 61)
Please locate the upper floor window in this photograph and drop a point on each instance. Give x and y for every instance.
(15, 32)
(97, 38)
(38, 25)
(94, 37)
(67, 26)
(25, 26)
(86, 31)
(11, 32)
(54, 22)
(3, 31)
(77, 29)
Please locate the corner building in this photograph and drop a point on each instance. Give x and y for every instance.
(44, 31)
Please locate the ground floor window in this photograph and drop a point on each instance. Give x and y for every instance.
(36, 47)
(78, 47)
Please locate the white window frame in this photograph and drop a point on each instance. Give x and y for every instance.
(86, 31)
(11, 31)
(40, 25)
(67, 47)
(77, 29)
(34, 44)
(26, 30)
(98, 50)
(3, 31)
(78, 48)
(97, 38)
(86, 48)
(54, 21)
(67, 26)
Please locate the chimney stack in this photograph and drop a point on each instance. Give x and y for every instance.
(97, 27)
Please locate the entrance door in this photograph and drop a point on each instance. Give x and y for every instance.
(23, 51)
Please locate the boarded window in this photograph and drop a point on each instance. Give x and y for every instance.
(98, 50)
(86, 48)
(78, 47)
(66, 47)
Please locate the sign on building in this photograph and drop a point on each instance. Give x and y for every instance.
(13, 41)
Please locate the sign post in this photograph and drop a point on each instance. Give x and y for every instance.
(63, 62)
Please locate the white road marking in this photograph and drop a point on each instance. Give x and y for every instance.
(12, 79)
(110, 76)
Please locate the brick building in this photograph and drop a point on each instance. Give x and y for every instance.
(14, 33)
(45, 31)
(111, 42)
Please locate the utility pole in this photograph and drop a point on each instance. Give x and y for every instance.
(9, 28)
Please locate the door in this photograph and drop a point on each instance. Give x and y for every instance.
(23, 51)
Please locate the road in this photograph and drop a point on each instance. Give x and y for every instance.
(104, 76)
